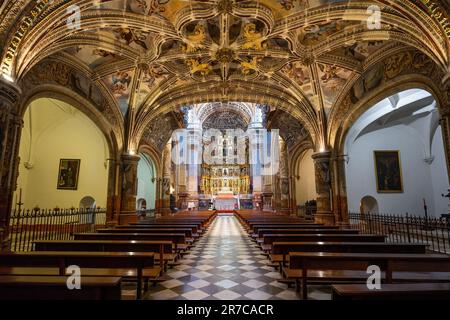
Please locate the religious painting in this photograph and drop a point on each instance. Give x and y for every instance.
(69, 170)
(388, 172)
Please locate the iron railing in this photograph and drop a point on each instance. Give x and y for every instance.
(435, 232)
(27, 226)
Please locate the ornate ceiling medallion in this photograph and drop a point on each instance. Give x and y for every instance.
(225, 6)
(225, 55)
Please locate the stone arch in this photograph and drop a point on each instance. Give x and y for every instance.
(305, 114)
(87, 202)
(81, 104)
(88, 109)
(296, 157)
(400, 84)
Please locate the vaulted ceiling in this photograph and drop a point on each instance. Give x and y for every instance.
(149, 56)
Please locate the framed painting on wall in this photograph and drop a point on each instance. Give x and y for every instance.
(388, 171)
(69, 170)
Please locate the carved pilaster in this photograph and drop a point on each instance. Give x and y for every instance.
(166, 179)
(340, 206)
(113, 200)
(10, 130)
(323, 187)
(129, 189)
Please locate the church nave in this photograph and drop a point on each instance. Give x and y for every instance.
(226, 265)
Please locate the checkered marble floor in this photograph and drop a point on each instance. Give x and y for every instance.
(226, 265)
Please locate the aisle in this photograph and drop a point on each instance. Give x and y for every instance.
(225, 264)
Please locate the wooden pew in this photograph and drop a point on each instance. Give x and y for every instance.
(301, 262)
(178, 239)
(280, 250)
(253, 228)
(55, 288)
(194, 227)
(263, 232)
(187, 232)
(163, 249)
(271, 238)
(409, 291)
(204, 222)
(258, 227)
(101, 263)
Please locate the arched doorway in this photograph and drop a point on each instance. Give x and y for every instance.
(146, 192)
(87, 203)
(305, 185)
(369, 205)
(142, 204)
(58, 138)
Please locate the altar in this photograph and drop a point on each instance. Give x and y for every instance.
(225, 200)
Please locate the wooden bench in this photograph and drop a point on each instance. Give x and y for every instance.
(187, 232)
(280, 250)
(163, 249)
(302, 262)
(178, 239)
(263, 232)
(55, 288)
(255, 228)
(410, 291)
(92, 263)
(271, 238)
(195, 228)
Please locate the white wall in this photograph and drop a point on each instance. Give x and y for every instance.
(420, 180)
(57, 131)
(305, 187)
(438, 175)
(146, 187)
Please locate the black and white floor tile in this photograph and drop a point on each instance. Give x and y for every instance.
(226, 264)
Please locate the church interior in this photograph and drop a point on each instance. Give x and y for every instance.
(224, 149)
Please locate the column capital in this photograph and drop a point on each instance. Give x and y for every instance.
(321, 156)
(9, 92)
(130, 158)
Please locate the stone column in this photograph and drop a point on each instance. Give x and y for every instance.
(158, 194)
(129, 189)
(284, 179)
(113, 200)
(340, 194)
(165, 186)
(10, 131)
(194, 161)
(323, 188)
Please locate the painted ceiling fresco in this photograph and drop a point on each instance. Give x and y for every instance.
(160, 131)
(332, 80)
(222, 46)
(156, 55)
(290, 129)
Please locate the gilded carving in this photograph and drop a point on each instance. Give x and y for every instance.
(253, 39)
(195, 39)
(250, 66)
(397, 64)
(195, 66)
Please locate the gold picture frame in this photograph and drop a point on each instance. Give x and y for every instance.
(388, 171)
(68, 173)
